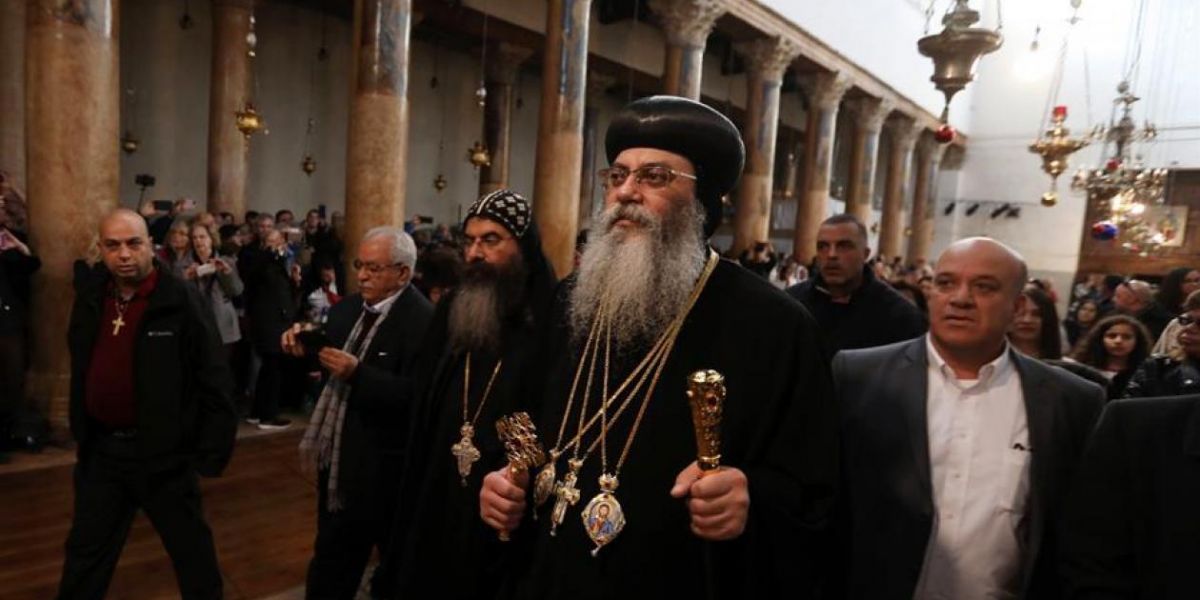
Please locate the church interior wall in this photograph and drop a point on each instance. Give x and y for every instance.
(1010, 97)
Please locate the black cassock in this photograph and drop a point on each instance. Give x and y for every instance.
(779, 428)
(443, 549)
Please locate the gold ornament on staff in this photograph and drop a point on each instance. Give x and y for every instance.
(521, 445)
(706, 396)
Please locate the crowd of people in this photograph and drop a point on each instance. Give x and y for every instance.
(879, 430)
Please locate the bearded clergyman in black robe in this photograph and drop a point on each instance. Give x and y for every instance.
(623, 509)
(483, 341)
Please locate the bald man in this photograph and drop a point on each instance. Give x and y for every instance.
(957, 449)
(150, 409)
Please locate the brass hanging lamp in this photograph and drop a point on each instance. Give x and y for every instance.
(956, 49)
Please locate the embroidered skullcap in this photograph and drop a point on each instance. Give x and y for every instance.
(505, 207)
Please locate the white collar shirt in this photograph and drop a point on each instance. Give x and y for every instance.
(979, 458)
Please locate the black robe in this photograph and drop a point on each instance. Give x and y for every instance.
(779, 428)
(443, 548)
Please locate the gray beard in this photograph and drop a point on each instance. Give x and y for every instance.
(474, 320)
(485, 297)
(645, 276)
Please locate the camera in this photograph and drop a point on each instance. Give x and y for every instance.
(144, 180)
(206, 269)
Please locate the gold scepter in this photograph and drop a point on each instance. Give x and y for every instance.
(519, 435)
(706, 396)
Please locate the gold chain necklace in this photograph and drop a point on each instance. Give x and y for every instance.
(603, 517)
(464, 451)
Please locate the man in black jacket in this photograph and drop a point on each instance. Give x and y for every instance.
(958, 450)
(852, 307)
(150, 408)
(17, 265)
(357, 433)
(1131, 526)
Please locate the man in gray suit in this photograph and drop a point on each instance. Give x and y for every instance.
(957, 449)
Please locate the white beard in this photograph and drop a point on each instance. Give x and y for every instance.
(644, 275)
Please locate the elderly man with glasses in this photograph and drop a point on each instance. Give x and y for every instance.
(355, 439)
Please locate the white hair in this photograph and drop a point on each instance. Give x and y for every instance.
(403, 250)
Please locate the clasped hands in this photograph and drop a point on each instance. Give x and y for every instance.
(718, 501)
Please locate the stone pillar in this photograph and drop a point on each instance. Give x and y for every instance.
(377, 148)
(686, 24)
(12, 90)
(228, 149)
(597, 85)
(869, 115)
(903, 134)
(560, 130)
(766, 60)
(504, 61)
(825, 95)
(929, 157)
(72, 100)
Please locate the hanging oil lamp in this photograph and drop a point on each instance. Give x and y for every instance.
(1055, 146)
(479, 155)
(308, 165)
(129, 143)
(956, 49)
(439, 183)
(249, 121)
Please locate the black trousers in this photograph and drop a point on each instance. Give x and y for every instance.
(12, 382)
(269, 386)
(109, 489)
(346, 538)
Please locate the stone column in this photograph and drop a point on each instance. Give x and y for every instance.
(597, 85)
(686, 24)
(12, 90)
(72, 100)
(929, 156)
(766, 60)
(869, 115)
(504, 61)
(228, 149)
(377, 148)
(560, 130)
(825, 95)
(903, 133)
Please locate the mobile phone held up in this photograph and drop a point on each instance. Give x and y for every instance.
(314, 340)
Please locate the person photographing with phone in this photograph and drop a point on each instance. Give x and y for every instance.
(356, 436)
(217, 279)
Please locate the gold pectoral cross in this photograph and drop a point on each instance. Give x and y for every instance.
(465, 453)
(566, 495)
(117, 324)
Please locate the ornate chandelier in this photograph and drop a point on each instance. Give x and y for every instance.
(956, 49)
(1123, 188)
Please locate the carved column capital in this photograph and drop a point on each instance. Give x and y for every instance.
(870, 113)
(825, 90)
(504, 61)
(688, 22)
(767, 58)
(904, 133)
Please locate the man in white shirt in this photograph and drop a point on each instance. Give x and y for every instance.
(957, 448)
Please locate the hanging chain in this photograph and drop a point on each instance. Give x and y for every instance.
(637, 7)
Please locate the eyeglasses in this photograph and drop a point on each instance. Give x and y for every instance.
(371, 268)
(1186, 320)
(487, 240)
(652, 176)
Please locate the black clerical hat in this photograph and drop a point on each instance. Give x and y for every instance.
(690, 129)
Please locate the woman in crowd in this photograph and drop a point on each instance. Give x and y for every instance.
(1116, 346)
(176, 253)
(1034, 330)
(1177, 373)
(1085, 315)
(1176, 287)
(218, 281)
